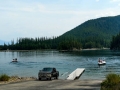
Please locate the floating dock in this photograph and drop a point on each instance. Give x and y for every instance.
(76, 74)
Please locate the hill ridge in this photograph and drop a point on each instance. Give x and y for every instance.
(102, 28)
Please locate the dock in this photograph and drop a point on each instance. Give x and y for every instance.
(76, 74)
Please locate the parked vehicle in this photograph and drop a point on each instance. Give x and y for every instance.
(48, 73)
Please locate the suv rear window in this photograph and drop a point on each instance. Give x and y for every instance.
(47, 69)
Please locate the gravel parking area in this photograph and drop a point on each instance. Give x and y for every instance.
(53, 85)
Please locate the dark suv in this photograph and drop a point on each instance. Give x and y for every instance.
(48, 73)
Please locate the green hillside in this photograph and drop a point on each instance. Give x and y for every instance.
(97, 31)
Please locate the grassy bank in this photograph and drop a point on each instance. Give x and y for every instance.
(4, 77)
(8, 79)
(112, 82)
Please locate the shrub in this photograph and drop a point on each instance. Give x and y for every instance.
(112, 82)
(4, 77)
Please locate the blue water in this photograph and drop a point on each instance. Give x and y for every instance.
(30, 62)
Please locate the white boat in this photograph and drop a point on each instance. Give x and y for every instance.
(14, 60)
(101, 62)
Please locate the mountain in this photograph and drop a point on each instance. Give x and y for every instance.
(98, 31)
(95, 33)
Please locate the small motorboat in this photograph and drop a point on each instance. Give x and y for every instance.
(101, 62)
(14, 60)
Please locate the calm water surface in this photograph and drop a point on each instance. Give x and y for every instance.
(30, 62)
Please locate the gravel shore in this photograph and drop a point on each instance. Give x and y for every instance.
(34, 84)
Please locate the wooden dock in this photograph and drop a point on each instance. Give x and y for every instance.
(76, 74)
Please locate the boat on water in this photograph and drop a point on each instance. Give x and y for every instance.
(14, 60)
(101, 62)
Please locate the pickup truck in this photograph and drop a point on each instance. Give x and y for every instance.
(48, 73)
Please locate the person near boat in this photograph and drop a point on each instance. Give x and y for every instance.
(101, 62)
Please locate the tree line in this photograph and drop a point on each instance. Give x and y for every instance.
(59, 43)
(41, 43)
(115, 43)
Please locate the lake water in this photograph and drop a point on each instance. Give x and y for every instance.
(30, 62)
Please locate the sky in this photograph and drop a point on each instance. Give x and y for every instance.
(48, 18)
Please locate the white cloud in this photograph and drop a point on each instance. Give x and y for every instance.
(26, 9)
(115, 0)
(97, 0)
(22, 19)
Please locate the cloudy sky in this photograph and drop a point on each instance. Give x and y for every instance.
(38, 18)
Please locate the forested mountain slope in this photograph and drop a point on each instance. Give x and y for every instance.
(96, 27)
(95, 31)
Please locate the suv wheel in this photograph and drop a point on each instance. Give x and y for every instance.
(39, 78)
(56, 77)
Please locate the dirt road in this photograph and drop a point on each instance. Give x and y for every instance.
(53, 85)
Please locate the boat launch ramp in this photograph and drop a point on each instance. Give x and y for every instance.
(76, 74)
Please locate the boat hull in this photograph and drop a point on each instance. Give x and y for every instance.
(101, 62)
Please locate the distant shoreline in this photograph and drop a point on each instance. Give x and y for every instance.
(27, 50)
(84, 49)
(97, 49)
(58, 50)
